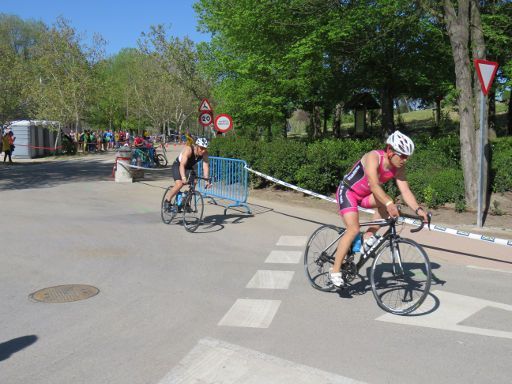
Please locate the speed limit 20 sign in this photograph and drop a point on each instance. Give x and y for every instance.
(223, 123)
(205, 118)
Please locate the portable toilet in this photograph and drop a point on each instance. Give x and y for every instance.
(34, 138)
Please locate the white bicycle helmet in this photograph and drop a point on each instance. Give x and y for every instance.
(202, 142)
(401, 143)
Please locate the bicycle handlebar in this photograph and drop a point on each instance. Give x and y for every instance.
(415, 217)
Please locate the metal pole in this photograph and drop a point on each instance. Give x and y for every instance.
(481, 175)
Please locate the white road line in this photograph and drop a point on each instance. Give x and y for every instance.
(284, 257)
(292, 241)
(488, 269)
(214, 361)
(453, 309)
(265, 279)
(251, 313)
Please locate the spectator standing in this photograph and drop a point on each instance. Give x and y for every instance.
(6, 146)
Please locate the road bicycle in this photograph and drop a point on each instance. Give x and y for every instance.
(149, 158)
(400, 275)
(190, 207)
(160, 159)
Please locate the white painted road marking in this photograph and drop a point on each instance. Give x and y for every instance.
(453, 309)
(292, 241)
(488, 269)
(251, 313)
(264, 279)
(284, 257)
(214, 361)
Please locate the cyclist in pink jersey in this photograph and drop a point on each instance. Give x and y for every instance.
(362, 187)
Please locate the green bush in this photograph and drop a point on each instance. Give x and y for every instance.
(282, 158)
(439, 187)
(501, 164)
(327, 161)
(434, 172)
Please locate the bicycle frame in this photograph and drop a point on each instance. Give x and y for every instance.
(389, 236)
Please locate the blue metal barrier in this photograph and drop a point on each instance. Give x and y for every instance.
(229, 182)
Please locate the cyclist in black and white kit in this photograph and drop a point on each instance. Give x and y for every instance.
(185, 163)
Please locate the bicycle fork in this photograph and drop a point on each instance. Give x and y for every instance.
(396, 259)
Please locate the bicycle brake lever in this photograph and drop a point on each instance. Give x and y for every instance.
(429, 219)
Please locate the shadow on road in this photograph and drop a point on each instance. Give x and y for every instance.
(15, 345)
(260, 209)
(47, 174)
(465, 254)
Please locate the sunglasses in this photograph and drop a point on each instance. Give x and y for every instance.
(403, 157)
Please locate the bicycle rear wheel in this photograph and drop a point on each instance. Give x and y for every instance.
(168, 212)
(319, 256)
(193, 211)
(160, 160)
(401, 276)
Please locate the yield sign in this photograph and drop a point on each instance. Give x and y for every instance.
(205, 106)
(486, 71)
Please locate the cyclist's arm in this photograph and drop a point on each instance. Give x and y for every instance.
(185, 155)
(371, 166)
(206, 166)
(407, 195)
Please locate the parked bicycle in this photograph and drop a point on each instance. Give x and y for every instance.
(400, 275)
(189, 204)
(149, 158)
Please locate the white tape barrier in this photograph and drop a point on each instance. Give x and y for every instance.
(144, 168)
(434, 227)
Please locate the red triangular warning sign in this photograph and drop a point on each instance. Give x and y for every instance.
(486, 71)
(205, 106)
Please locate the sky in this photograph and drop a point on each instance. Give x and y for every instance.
(119, 22)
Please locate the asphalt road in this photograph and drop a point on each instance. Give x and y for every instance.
(227, 304)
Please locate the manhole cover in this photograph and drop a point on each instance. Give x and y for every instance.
(64, 293)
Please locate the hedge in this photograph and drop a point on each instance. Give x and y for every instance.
(434, 172)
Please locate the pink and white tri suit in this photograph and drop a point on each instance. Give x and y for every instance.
(354, 190)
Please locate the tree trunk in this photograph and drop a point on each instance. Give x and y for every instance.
(314, 122)
(326, 117)
(509, 115)
(459, 24)
(438, 112)
(388, 123)
(336, 124)
(477, 44)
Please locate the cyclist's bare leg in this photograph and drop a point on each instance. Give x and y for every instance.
(351, 220)
(380, 212)
(174, 190)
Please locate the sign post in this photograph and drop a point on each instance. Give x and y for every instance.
(486, 71)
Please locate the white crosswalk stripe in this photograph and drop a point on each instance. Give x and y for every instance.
(284, 257)
(214, 361)
(265, 279)
(251, 313)
(293, 241)
(255, 313)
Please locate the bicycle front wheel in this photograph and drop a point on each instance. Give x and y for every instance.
(401, 276)
(160, 160)
(193, 211)
(168, 212)
(319, 256)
